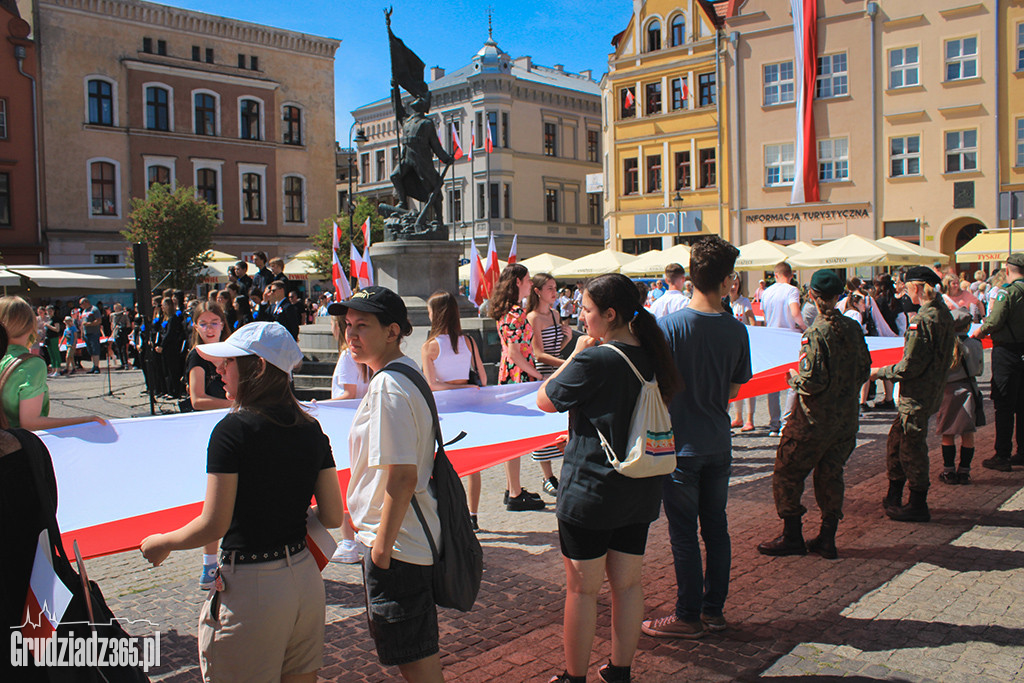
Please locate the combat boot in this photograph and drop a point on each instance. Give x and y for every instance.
(914, 511)
(791, 542)
(824, 543)
(894, 498)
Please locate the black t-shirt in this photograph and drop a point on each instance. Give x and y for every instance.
(600, 392)
(277, 469)
(213, 385)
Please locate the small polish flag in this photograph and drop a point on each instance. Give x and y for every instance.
(686, 90)
(492, 270)
(366, 233)
(630, 99)
(457, 153)
(319, 541)
(47, 599)
(476, 275)
(514, 249)
(342, 289)
(355, 260)
(488, 142)
(366, 271)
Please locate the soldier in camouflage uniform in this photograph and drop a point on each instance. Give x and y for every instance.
(927, 354)
(822, 431)
(1005, 322)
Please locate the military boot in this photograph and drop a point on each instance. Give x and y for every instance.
(894, 498)
(791, 542)
(824, 543)
(914, 511)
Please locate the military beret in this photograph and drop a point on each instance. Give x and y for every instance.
(1016, 260)
(827, 284)
(923, 274)
(962, 319)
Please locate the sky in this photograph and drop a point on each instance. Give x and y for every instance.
(445, 33)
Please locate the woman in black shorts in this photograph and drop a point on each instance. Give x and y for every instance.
(603, 516)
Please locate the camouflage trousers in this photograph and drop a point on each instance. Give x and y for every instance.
(906, 451)
(802, 449)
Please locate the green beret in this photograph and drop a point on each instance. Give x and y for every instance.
(1016, 260)
(923, 274)
(827, 284)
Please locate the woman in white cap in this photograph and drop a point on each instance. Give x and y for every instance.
(264, 619)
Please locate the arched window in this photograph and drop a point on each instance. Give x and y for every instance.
(653, 36)
(678, 30)
(101, 102)
(249, 119)
(291, 124)
(158, 111)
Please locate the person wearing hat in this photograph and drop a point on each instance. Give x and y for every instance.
(822, 431)
(391, 456)
(927, 353)
(1005, 323)
(264, 618)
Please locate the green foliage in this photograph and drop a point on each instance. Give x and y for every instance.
(323, 238)
(178, 227)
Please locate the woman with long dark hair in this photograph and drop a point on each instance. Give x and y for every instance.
(516, 363)
(603, 516)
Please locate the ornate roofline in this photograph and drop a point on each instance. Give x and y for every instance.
(151, 14)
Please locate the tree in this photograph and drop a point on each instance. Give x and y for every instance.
(178, 227)
(323, 238)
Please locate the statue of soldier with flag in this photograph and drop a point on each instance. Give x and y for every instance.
(415, 175)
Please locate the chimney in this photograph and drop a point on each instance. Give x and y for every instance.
(587, 74)
(560, 68)
(525, 63)
(436, 73)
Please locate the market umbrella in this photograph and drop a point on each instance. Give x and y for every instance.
(926, 256)
(299, 267)
(800, 247)
(652, 263)
(215, 271)
(604, 261)
(543, 263)
(762, 255)
(214, 255)
(990, 245)
(464, 270)
(853, 250)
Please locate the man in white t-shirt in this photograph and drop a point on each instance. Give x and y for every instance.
(781, 306)
(673, 299)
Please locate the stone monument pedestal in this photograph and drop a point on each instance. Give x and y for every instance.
(415, 270)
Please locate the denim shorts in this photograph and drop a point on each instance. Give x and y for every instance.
(92, 341)
(400, 610)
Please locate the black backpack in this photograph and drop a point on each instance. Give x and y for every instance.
(459, 569)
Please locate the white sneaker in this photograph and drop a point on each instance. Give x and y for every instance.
(347, 553)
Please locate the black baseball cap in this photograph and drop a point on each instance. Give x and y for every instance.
(380, 301)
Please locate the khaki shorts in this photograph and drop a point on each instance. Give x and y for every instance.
(269, 622)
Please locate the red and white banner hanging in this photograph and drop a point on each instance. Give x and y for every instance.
(805, 65)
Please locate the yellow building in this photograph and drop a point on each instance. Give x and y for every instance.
(664, 129)
(1011, 105)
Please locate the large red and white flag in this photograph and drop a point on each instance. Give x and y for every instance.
(48, 598)
(342, 289)
(492, 269)
(512, 251)
(476, 275)
(456, 143)
(805, 63)
(488, 142)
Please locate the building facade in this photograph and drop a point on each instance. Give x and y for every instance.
(1010, 26)
(135, 93)
(545, 134)
(20, 227)
(664, 129)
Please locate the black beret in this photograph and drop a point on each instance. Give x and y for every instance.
(923, 274)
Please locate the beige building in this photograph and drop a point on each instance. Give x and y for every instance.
(545, 126)
(135, 93)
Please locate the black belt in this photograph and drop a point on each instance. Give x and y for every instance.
(248, 557)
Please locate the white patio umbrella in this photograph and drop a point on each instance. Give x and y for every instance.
(652, 263)
(762, 255)
(543, 263)
(928, 257)
(599, 263)
(298, 267)
(464, 270)
(853, 250)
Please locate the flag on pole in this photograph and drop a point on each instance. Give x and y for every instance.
(805, 66)
(686, 90)
(366, 233)
(47, 599)
(476, 274)
(456, 143)
(406, 67)
(355, 261)
(630, 99)
(342, 289)
(366, 272)
(491, 270)
(488, 142)
(513, 250)
(319, 541)
(472, 140)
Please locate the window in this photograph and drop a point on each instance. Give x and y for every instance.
(252, 197)
(593, 146)
(627, 103)
(294, 211)
(492, 123)
(904, 67)
(364, 167)
(832, 80)
(161, 47)
(504, 129)
(778, 83)
(904, 230)
(508, 200)
(678, 30)
(206, 113)
(147, 45)
(479, 131)
(249, 120)
(158, 175)
(494, 203)
(158, 116)
(206, 185)
(653, 91)
(103, 188)
(707, 167)
(3, 119)
(707, 91)
(780, 233)
(680, 93)
(291, 119)
(456, 196)
(683, 170)
(101, 102)
(481, 200)
(195, 53)
(241, 61)
(1020, 142)
(630, 176)
(209, 55)
(961, 59)
(106, 259)
(550, 139)
(254, 63)
(653, 172)
(905, 156)
(551, 205)
(653, 36)
(5, 199)
(381, 168)
(833, 160)
(1020, 46)
(779, 164)
(961, 151)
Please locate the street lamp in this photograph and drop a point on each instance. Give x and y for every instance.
(677, 202)
(360, 139)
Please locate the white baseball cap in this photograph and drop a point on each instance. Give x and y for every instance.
(270, 341)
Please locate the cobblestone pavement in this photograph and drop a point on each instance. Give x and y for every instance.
(942, 601)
